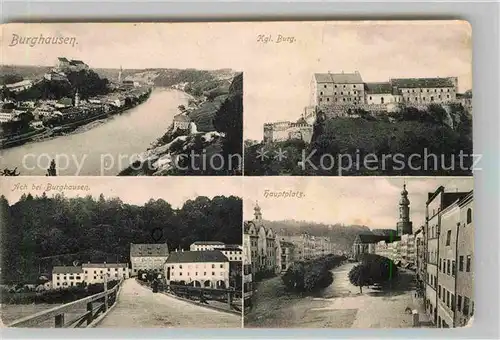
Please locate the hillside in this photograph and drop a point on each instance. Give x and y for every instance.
(219, 123)
(21, 72)
(412, 133)
(341, 235)
(40, 232)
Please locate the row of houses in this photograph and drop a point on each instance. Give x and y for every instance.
(440, 252)
(206, 264)
(267, 253)
(447, 269)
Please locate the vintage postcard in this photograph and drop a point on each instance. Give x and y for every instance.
(121, 99)
(115, 252)
(363, 98)
(358, 252)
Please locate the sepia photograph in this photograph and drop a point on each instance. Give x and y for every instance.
(140, 100)
(367, 98)
(85, 252)
(365, 252)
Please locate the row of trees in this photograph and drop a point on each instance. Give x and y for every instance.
(373, 269)
(309, 276)
(40, 232)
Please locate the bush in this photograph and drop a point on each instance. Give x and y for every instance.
(380, 269)
(309, 276)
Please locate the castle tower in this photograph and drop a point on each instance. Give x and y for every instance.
(257, 213)
(77, 99)
(120, 75)
(404, 226)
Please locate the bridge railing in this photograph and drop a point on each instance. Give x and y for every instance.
(96, 305)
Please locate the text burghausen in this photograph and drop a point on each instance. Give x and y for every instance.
(41, 40)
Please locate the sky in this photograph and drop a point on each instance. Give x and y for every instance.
(277, 76)
(370, 201)
(175, 190)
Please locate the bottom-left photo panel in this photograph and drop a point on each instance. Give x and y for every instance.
(113, 252)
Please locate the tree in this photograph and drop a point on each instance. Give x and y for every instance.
(52, 171)
(359, 276)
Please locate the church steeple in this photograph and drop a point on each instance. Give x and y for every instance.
(404, 226)
(257, 213)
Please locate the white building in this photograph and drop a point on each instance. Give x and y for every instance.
(233, 252)
(7, 115)
(20, 86)
(209, 269)
(66, 276)
(206, 245)
(88, 273)
(147, 257)
(95, 272)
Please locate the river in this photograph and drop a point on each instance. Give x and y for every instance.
(103, 150)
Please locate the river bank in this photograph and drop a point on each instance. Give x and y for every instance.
(66, 129)
(101, 149)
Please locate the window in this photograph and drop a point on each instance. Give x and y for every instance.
(439, 291)
(440, 264)
(222, 266)
(327, 99)
(321, 93)
(213, 265)
(370, 97)
(116, 269)
(354, 86)
(448, 298)
(448, 267)
(204, 273)
(213, 273)
(466, 306)
(472, 309)
(180, 273)
(453, 268)
(85, 272)
(452, 302)
(459, 303)
(109, 269)
(432, 232)
(461, 263)
(324, 86)
(448, 237)
(95, 277)
(341, 93)
(444, 266)
(335, 86)
(469, 216)
(180, 266)
(467, 266)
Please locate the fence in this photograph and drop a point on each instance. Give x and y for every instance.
(231, 298)
(96, 305)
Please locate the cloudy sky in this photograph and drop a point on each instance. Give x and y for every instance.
(276, 75)
(174, 190)
(370, 201)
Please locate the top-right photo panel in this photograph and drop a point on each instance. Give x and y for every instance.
(361, 98)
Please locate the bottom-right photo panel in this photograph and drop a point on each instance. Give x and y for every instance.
(358, 252)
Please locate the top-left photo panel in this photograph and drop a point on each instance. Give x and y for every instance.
(120, 99)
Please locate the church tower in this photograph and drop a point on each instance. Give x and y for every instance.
(404, 226)
(120, 75)
(257, 213)
(77, 99)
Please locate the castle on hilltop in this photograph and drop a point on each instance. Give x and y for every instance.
(343, 94)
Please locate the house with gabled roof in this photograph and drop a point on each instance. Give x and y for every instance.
(148, 257)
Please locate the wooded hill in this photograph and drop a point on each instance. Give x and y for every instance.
(40, 232)
(341, 235)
